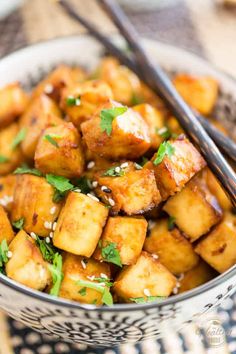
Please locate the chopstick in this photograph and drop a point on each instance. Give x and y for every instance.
(158, 80)
(227, 145)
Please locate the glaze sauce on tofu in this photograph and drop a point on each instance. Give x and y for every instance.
(103, 199)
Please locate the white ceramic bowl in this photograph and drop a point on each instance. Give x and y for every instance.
(124, 322)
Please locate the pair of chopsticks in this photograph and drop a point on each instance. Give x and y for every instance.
(196, 126)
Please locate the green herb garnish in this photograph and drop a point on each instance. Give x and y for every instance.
(165, 149)
(18, 138)
(143, 161)
(136, 99)
(105, 281)
(61, 184)
(142, 300)
(114, 172)
(48, 250)
(24, 169)
(3, 159)
(165, 133)
(83, 184)
(3, 255)
(138, 166)
(18, 224)
(51, 139)
(108, 115)
(83, 291)
(57, 275)
(106, 295)
(73, 101)
(171, 223)
(111, 254)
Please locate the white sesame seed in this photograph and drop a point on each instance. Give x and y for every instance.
(83, 264)
(53, 210)
(162, 130)
(48, 89)
(51, 234)
(48, 225)
(124, 165)
(181, 277)
(146, 292)
(5, 200)
(175, 291)
(54, 226)
(111, 201)
(94, 184)
(155, 256)
(90, 165)
(92, 197)
(117, 169)
(77, 190)
(151, 224)
(103, 188)
(178, 284)
(9, 254)
(47, 240)
(91, 277)
(33, 235)
(102, 275)
(102, 284)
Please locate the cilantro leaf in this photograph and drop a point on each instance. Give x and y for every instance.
(18, 224)
(61, 184)
(111, 254)
(143, 161)
(73, 101)
(83, 291)
(106, 295)
(48, 250)
(136, 99)
(142, 300)
(105, 281)
(3, 159)
(51, 139)
(3, 254)
(24, 169)
(171, 223)
(57, 275)
(108, 115)
(165, 133)
(115, 171)
(83, 184)
(18, 138)
(165, 149)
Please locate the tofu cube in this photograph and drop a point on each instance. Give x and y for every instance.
(146, 276)
(87, 96)
(76, 268)
(10, 158)
(129, 137)
(27, 265)
(199, 92)
(155, 121)
(133, 193)
(218, 248)
(33, 201)
(62, 154)
(80, 224)
(6, 231)
(13, 101)
(40, 114)
(7, 187)
(173, 250)
(195, 209)
(128, 233)
(176, 170)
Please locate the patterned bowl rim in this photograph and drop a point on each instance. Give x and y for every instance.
(123, 307)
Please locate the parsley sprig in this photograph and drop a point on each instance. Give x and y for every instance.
(48, 250)
(106, 295)
(51, 139)
(24, 169)
(108, 115)
(18, 138)
(18, 224)
(143, 300)
(61, 184)
(165, 149)
(171, 223)
(57, 275)
(110, 253)
(3, 255)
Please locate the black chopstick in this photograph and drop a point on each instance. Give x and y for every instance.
(156, 78)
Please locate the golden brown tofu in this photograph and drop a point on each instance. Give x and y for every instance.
(7, 187)
(199, 92)
(76, 268)
(173, 250)
(173, 172)
(60, 78)
(218, 248)
(125, 85)
(59, 151)
(10, 155)
(80, 224)
(27, 265)
(81, 101)
(134, 193)
(127, 233)
(6, 231)
(13, 101)
(196, 276)
(174, 126)
(216, 189)
(155, 121)
(195, 209)
(147, 277)
(40, 114)
(33, 201)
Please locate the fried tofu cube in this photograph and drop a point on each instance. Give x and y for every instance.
(33, 201)
(199, 92)
(129, 136)
(10, 156)
(7, 187)
(173, 250)
(147, 277)
(194, 209)
(40, 114)
(81, 101)
(135, 192)
(175, 171)
(76, 268)
(196, 276)
(13, 101)
(6, 231)
(80, 224)
(27, 265)
(218, 248)
(60, 78)
(128, 234)
(59, 151)
(155, 121)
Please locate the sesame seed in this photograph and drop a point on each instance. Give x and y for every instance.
(5, 200)
(162, 130)
(91, 277)
(155, 256)
(175, 291)
(178, 284)
(83, 264)
(48, 225)
(117, 169)
(92, 197)
(90, 165)
(151, 224)
(102, 275)
(181, 277)
(146, 292)
(94, 184)
(53, 210)
(47, 240)
(48, 89)
(33, 235)
(106, 189)
(124, 165)
(77, 190)
(54, 226)
(51, 234)
(111, 202)
(102, 284)
(9, 254)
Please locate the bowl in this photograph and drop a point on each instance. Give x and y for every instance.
(110, 326)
